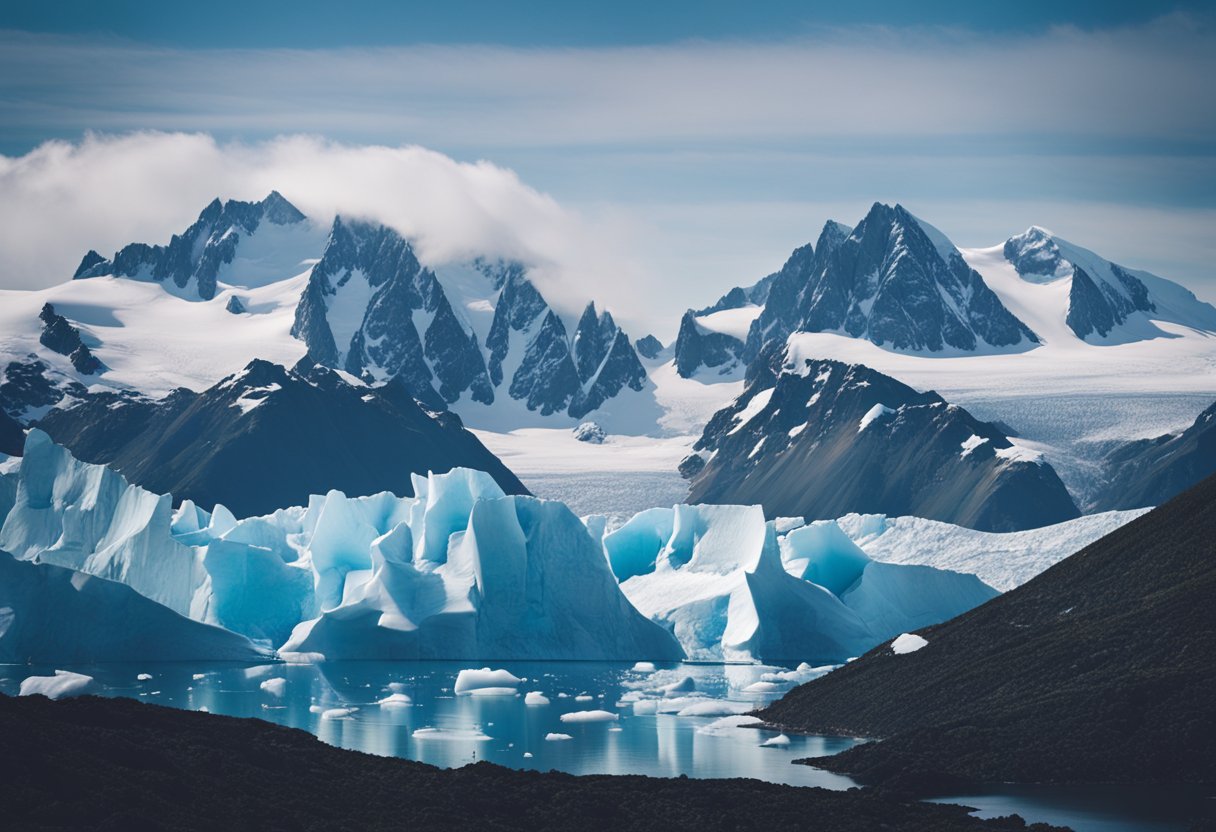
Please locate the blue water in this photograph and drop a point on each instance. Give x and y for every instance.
(660, 745)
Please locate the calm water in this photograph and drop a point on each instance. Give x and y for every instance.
(503, 729)
(662, 745)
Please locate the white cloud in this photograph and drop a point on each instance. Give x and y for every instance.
(63, 198)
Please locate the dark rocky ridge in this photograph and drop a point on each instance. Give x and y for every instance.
(1148, 472)
(60, 336)
(805, 453)
(197, 254)
(116, 764)
(267, 438)
(1098, 670)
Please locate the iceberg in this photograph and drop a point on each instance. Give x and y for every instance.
(729, 586)
(52, 614)
(589, 716)
(63, 684)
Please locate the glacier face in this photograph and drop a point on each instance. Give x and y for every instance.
(732, 586)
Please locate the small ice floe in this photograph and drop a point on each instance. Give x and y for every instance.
(644, 667)
(396, 687)
(685, 685)
(552, 737)
(527, 755)
(63, 684)
(451, 734)
(779, 741)
(316, 709)
(486, 682)
(535, 697)
(144, 677)
(907, 643)
(715, 707)
(199, 677)
(563, 696)
(584, 697)
(763, 687)
(590, 716)
(615, 729)
(276, 687)
(727, 725)
(395, 700)
(337, 713)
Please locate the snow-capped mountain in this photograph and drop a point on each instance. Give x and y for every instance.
(198, 259)
(260, 280)
(820, 439)
(1106, 302)
(268, 437)
(898, 282)
(893, 280)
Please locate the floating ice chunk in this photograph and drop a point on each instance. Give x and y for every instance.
(907, 643)
(684, 685)
(552, 737)
(763, 687)
(63, 684)
(468, 681)
(715, 707)
(316, 709)
(644, 667)
(727, 725)
(395, 700)
(803, 673)
(645, 707)
(396, 687)
(451, 734)
(144, 677)
(198, 676)
(584, 697)
(590, 716)
(779, 741)
(535, 697)
(275, 687)
(527, 755)
(337, 713)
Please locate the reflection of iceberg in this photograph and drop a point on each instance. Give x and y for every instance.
(728, 587)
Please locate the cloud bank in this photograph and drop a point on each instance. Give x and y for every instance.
(102, 192)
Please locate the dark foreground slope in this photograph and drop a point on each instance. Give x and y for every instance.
(268, 437)
(1103, 668)
(117, 764)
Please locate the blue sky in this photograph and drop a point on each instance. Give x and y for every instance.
(696, 143)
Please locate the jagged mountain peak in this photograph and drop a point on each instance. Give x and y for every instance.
(197, 255)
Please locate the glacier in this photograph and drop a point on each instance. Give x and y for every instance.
(459, 571)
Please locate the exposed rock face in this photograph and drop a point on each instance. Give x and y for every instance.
(892, 280)
(372, 309)
(268, 437)
(590, 432)
(648, 346)
(1148, 472)
(195, 257)
(28, 389)
(697, 347)
(61, 337)
(826, 439)
(235, 306)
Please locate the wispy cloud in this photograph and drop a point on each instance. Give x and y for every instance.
(104, 191)
(1138, 82)
(655, 176)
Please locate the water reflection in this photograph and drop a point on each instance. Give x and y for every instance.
(660, 744)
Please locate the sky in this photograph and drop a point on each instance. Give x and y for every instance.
(648, 155)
